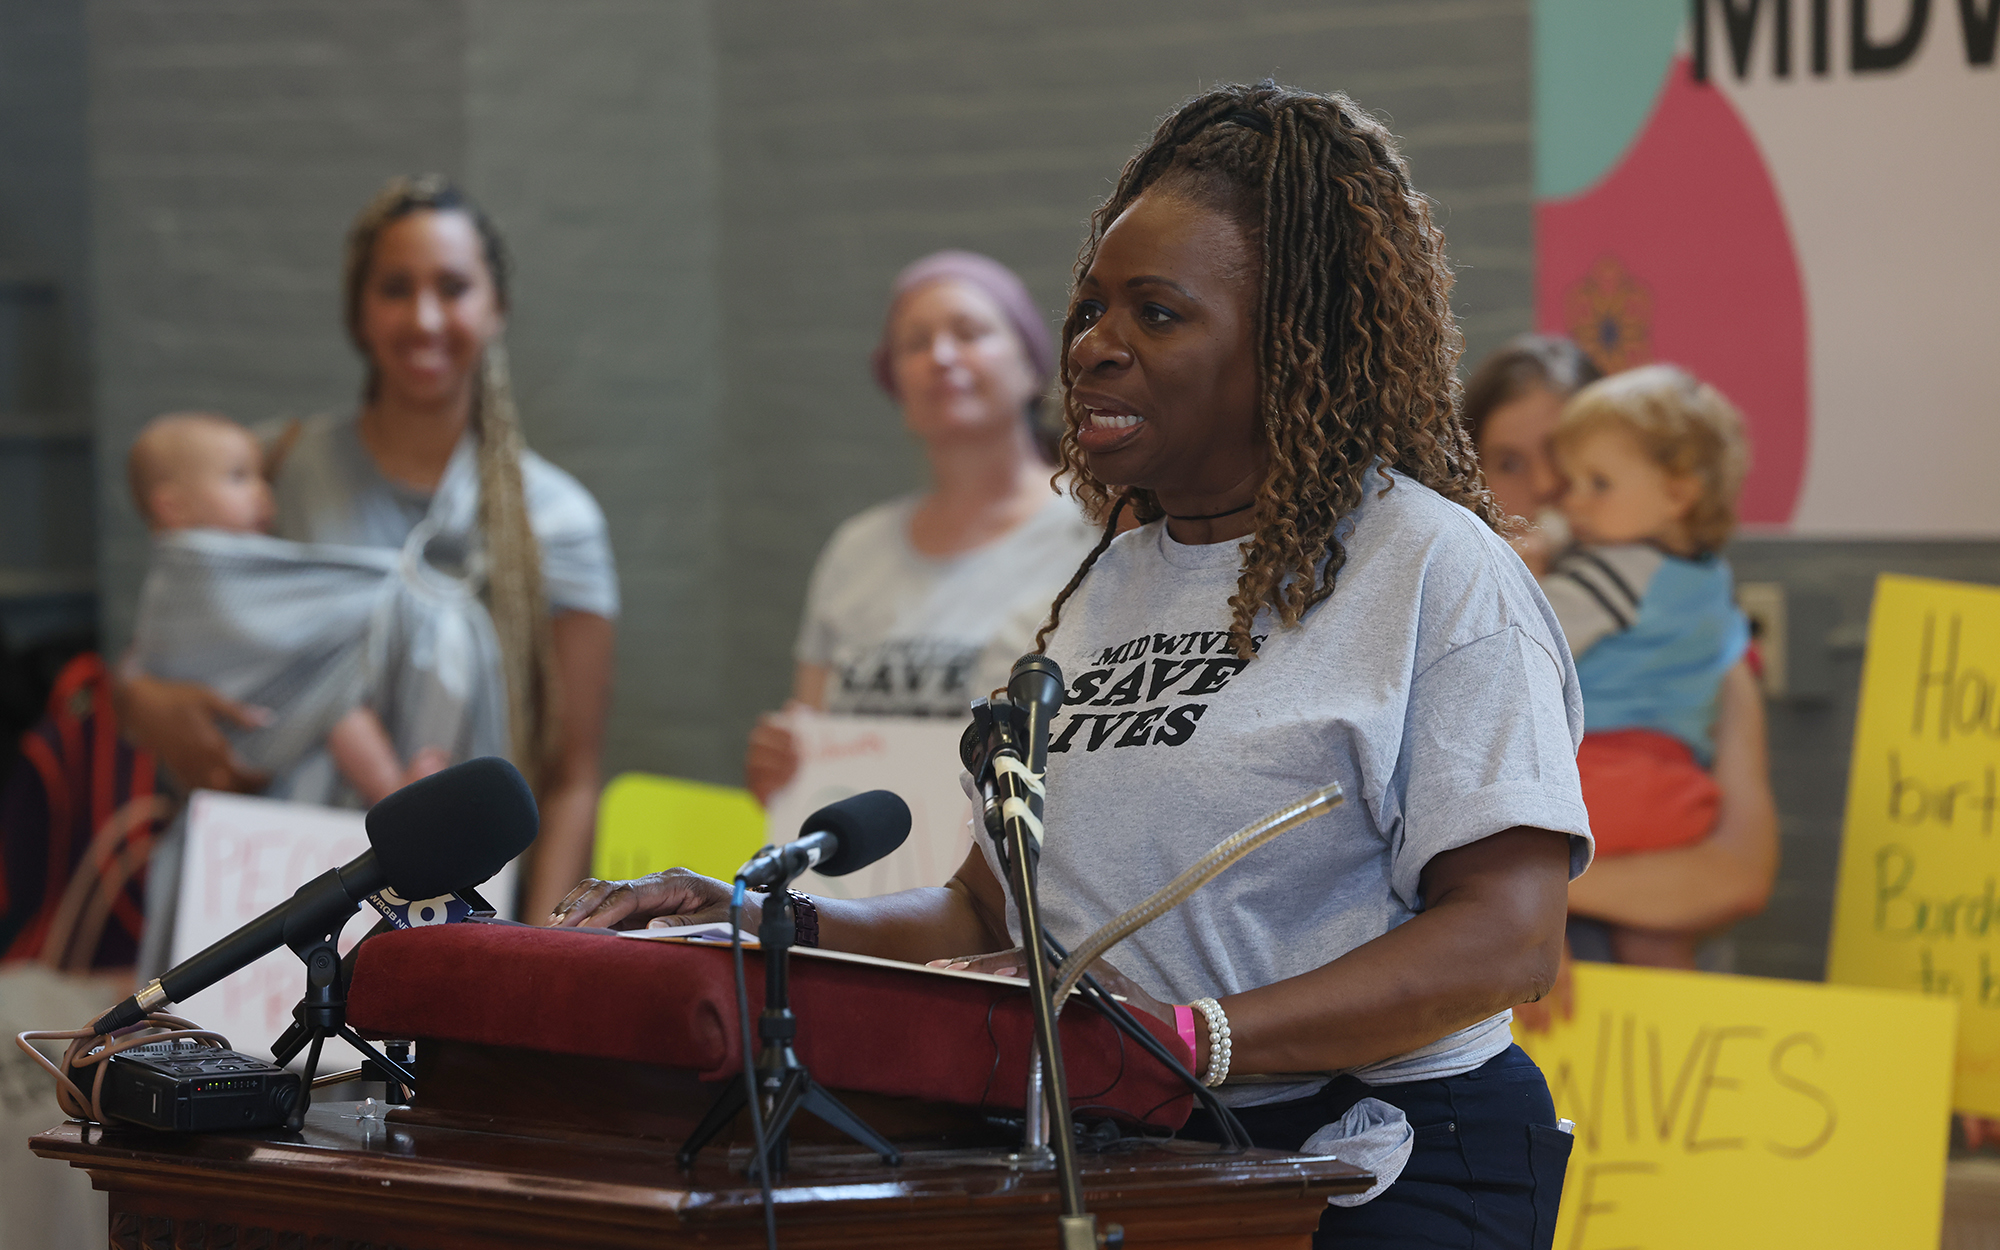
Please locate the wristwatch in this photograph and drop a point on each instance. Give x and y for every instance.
(805, 919)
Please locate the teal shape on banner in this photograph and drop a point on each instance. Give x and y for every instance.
(1599, 66)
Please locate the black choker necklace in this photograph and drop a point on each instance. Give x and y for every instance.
(1212, 516)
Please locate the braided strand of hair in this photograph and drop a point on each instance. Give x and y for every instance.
(1048, 628)
(515, 596)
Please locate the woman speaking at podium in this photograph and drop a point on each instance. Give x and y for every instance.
(1259, 364)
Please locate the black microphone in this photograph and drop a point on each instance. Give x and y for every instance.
(836, 839)
(1036, 686)
(450, 831)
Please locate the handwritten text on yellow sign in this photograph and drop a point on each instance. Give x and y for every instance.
(1917, 906)
(1717, 1112)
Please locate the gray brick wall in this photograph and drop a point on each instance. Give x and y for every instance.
(45, 197)
(591, 140)
(47, 539)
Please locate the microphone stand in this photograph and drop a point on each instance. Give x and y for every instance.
(784, 1085)
(1015, 728)
(322, 1013)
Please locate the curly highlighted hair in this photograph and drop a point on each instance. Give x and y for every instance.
(1685, 426)
(1356, 343)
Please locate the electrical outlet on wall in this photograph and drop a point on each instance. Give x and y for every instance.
(1764, 604)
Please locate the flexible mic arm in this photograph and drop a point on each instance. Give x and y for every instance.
(1198, 874)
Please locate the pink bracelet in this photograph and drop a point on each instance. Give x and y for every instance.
(1184, 1021)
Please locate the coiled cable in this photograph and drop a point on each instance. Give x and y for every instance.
(90, 1049)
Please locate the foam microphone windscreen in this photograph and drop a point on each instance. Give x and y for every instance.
(1036, 679)
(869, 825)
(455, 828)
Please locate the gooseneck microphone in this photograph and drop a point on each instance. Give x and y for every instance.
(837, 839)
(1036, 687)
(452, 830)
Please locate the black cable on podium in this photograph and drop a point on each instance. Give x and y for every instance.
(1006, 750)
(1235, 1138)
(750, 1099)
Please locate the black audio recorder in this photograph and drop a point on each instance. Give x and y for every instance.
(186, 1087)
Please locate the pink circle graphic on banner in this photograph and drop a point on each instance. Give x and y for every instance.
(1681, 254)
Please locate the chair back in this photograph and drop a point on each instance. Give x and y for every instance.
(77, 821)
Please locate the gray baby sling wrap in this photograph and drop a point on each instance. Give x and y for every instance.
(309, 631)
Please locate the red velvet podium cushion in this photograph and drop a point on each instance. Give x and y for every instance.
(861, 1027)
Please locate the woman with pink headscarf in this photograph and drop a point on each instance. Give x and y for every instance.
(920, 604)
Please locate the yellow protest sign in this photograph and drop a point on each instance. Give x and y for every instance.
(1916, 906)
(1719, 1112)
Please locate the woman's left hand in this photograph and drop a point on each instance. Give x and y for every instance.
(1013, 963)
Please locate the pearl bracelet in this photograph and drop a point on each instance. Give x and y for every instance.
(1218, 1040)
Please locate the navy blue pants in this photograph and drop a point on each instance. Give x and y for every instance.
(1486, 1171)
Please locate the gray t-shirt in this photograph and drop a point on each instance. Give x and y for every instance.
(907, 634)
(329, 491)
(1433, 685)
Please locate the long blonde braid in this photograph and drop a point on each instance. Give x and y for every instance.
(514, 593)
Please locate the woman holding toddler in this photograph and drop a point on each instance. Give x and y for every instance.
(1677, 445)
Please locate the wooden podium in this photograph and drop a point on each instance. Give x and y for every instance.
(552, 1099)
(515, 1148)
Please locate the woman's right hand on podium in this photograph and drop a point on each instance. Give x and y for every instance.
(664, 899)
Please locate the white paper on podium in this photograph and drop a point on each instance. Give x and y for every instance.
(915, 756)
(245, 855)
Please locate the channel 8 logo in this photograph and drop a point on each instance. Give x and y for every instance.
(420, 913)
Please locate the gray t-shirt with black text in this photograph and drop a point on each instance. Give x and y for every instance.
(906, 634)
(1433, 685)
